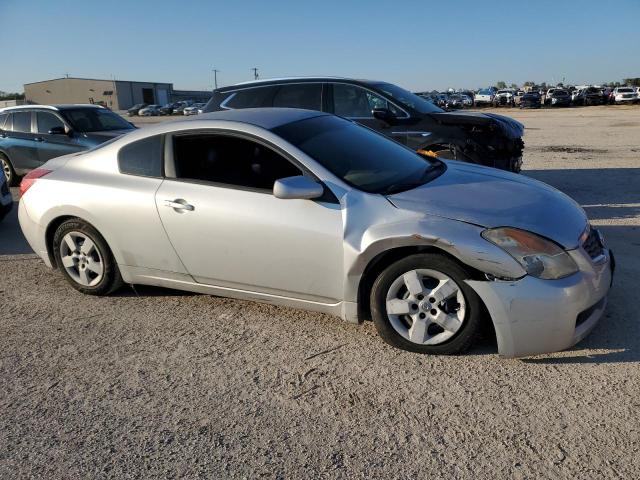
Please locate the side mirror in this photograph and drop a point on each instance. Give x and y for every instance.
(298, 187)
(57, 131)
(384, 114)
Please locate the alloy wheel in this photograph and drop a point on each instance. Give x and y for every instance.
(425, 306)
(81, 259)
(7, 170)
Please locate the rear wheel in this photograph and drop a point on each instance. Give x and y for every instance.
(85, 259)
(422, 304)
(8, 170)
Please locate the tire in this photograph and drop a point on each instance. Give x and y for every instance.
(9, 172)
(463, 324)
(89, 268)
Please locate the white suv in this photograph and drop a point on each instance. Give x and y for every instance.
(625, 95)
(484, 97)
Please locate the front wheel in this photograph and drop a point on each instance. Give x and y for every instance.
(85, 259)
(422, 304)
(9, 172)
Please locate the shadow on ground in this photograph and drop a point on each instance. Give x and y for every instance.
(12, 242)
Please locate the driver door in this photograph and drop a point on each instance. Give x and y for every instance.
(230, 231)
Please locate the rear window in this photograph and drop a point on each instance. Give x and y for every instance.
(300, 95)
(22, 122)
(142, 158)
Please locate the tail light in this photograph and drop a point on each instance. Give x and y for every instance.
(31, 177)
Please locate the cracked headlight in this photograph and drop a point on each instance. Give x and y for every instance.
(539, 257)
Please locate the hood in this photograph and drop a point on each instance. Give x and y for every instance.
(493, 198)
(510, 127)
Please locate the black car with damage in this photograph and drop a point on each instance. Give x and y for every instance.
(475, 137)
(531, 100)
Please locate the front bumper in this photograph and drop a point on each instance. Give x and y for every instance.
(533, 316)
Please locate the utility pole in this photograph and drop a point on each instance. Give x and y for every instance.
(255, 73)
(215, 78)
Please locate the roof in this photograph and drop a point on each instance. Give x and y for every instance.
(267, 118)
(96, 80)
(275, 81)
(51, 107)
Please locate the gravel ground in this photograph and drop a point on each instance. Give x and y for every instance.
(157, 383)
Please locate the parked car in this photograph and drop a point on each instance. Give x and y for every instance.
(6, 201)
(624, 95)
(31, 135)
(484, 97)
(504, 97)
(306, 209)
(577, 96)
(486, 139)
(593, 96)
(193, 109)
(454, 101)
(178, 109)
(560, 98)
(133, 111)
(150, 111)
(530, 100)
(547, 96)
(467, 98)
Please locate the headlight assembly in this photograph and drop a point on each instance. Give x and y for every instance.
(539, 257)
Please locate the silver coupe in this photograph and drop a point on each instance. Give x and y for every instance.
(310, 210)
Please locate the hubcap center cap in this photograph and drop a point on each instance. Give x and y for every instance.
(425, 306)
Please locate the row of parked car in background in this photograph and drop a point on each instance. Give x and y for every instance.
(559, 96)
(185, 107)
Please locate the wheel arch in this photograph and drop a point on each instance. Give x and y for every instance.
(381, 261)
(51, 231)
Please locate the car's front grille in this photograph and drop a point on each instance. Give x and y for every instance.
(4, 189)
(592, 244)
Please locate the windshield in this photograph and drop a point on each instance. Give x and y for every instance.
(361, 157)
(485, 91)
(407, 98)
(95, 120)
(625, 90)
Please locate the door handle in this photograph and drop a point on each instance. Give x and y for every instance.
(39, 139)
(179, 205)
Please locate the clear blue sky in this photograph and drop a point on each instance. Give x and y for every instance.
(417, 44)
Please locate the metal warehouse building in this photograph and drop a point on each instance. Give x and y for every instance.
(115, 94)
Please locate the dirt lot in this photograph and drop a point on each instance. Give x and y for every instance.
(151, 382)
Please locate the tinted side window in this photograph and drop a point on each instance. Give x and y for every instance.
(229, 160)
(251, 98)
(299, 96)
(355, 102)
(143, 157)
(46, 121)
(22, 122)
(3, 118)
